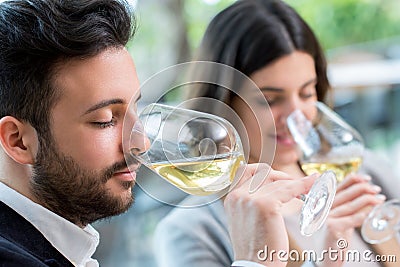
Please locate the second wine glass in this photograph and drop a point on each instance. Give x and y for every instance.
(200, 153)
(326, 142)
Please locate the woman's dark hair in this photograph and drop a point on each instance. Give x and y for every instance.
(250, 34)
(36, 36)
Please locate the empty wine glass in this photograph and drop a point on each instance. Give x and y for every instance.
(383, 223)
(326, 142)
(200, 154)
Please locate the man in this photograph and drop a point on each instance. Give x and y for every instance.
(66, 80)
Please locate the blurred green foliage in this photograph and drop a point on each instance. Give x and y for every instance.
(343, 22)
(336, 22)
(198, 14)
(165, 25)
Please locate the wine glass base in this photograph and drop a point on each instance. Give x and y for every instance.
(382, 223)
(318, 203)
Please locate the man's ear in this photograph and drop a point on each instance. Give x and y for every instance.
(19, 140)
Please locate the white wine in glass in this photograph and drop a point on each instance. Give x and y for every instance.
(201, 175)
(200, 153)
(326, 142)
(341, 168)
(197, 152)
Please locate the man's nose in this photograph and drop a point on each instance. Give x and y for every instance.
(138, 140)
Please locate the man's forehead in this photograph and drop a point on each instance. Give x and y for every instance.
(109, 75)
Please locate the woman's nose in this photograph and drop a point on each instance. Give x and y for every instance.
(293, 104)
(290, 106)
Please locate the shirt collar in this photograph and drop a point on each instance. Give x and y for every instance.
(76, 244)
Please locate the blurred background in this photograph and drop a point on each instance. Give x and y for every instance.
(361, 39)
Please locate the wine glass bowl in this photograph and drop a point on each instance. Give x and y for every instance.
(197, 152)
(326, 142)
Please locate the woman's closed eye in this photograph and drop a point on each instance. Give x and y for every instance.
(105, 124)
(272, 100)
(307, 95)
(309, 90)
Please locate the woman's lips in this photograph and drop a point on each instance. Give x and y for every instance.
(285, 140)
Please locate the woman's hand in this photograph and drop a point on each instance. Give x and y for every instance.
(254, 213)
(355, 197)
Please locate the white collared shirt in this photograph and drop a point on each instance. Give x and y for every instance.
(76, 244)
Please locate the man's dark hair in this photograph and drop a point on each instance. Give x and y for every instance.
(36, 36)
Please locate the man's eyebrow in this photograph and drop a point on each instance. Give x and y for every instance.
(103, 104)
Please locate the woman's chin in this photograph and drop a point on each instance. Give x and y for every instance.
(285, 156)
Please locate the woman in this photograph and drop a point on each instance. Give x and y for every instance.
(269, 42)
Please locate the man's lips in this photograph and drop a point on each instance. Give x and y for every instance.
(127, 175)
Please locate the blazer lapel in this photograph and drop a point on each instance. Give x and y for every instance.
(18, 230)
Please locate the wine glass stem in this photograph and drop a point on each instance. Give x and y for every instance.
(303, 197)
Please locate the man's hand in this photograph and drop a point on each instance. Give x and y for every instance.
(254, 214)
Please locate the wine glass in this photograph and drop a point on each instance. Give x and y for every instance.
(382, 223)
(200, 153)
(326, 142)
(329, 143)
(197, 152)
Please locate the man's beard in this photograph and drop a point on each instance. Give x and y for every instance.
(78, 195)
